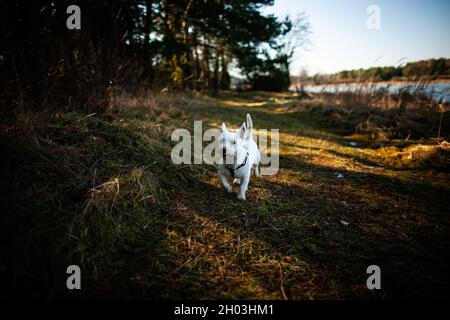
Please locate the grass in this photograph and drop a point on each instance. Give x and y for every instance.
(100, 191)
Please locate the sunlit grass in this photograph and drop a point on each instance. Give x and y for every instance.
(143, 227)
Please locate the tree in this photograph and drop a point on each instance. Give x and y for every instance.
(182, 44)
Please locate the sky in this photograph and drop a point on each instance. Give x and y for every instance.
(410, 30)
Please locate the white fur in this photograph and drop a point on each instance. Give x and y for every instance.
(236, 145)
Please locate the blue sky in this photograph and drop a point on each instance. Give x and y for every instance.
(410, 30)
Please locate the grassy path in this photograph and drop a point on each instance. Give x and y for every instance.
(143, 227)
(305, 233)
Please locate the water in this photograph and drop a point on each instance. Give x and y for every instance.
(440, 91)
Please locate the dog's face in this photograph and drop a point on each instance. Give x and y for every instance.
(231, 144)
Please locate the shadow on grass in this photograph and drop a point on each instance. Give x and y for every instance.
(298, 123)
(165, 231)
(306, 224)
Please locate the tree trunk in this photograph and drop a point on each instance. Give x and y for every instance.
(215, 82)
(148, 30)
(206, 73)
(225, 77)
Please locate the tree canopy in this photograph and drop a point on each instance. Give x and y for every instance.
(179, 44)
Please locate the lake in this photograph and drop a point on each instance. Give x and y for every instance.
(438, 90)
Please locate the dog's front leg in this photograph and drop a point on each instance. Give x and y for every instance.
(244, 186)
(225, 183)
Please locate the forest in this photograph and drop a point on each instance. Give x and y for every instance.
(425, 70)
(176, 44)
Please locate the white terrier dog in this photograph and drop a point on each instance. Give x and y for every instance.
(239, 154)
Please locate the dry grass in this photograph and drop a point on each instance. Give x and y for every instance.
(100, 191)
(403, 130)
(384, 116)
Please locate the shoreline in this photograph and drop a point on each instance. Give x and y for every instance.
(375, 83)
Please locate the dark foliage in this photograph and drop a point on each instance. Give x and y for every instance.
(187, 44)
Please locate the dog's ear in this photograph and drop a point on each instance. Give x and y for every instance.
(223, 127)
(242, 131)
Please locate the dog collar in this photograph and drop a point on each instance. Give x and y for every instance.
(238, 167)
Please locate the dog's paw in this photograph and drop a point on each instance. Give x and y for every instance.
(241, 197)
(229, 189)
(237, 181)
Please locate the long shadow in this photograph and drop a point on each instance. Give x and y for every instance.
(353, 157)
(396, 186)
(290, 219)
(297, 122)
(293, 121)
(44, 227)
(423, 191)
(306, 223)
